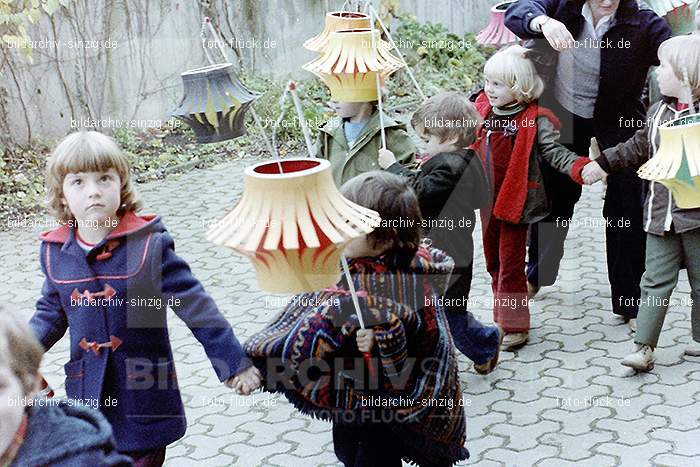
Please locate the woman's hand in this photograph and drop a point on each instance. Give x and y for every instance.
(557, 35)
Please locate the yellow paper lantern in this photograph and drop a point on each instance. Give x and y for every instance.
(293, 225)
(677, 162)
(336, 21)
(349, 64)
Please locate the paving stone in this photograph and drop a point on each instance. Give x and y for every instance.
(522, 414)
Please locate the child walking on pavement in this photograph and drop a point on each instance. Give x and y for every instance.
(516, 133)
(110, 277)
(450, 186)
(407, 403)
(673, 234)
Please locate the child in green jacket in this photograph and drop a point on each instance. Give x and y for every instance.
(352, 139)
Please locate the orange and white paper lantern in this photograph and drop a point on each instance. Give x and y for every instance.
(348, 65)
(335, 21)
(293, 225)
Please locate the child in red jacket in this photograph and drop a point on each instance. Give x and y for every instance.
(516, 132)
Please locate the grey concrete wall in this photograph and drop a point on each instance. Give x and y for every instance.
(134, 72)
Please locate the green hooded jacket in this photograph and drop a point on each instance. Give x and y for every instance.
(347, 162)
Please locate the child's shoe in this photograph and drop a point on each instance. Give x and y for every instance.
(532, 289)
(642, 359)
(513, 340)
(632, 323)
(693, 349)
(488, 367)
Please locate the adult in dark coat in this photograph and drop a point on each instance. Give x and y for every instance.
(595, 55)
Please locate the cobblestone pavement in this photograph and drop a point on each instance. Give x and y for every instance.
(563, 399)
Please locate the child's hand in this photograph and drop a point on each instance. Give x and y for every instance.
(386, 158)
(365, 340)
(592, 173)
(246, 381)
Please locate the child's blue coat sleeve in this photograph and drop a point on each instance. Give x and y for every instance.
(49, 322)
(197, 309)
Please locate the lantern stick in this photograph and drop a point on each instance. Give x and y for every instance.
(353, 292)
(292, 86)
(373, 16)
(393, 44)
(356, 303)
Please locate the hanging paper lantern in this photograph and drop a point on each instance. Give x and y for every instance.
(349, 64)
(677, 161)
(215, 103)
(680, 14)
(496, 33)
(293, 225)
(336, 21)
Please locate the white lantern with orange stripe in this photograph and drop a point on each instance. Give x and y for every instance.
(293, 223)
(350, 63)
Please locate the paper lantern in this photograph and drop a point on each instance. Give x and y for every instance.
(496, 33)
(293, 225)
(215, 103)
(677, 161)
(336, 21)
(680, 14)
(349, 64)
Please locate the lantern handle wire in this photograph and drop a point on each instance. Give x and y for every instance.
(356, 303)
(393, 44)
(292, 86)
(373, 16)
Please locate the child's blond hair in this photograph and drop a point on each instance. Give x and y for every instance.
(87, 151)
(20, 351)
(448, 115)
(512, 66)
(683, 54)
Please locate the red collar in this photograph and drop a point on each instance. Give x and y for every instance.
(128, 224)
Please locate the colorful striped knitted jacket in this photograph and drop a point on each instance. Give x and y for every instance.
(309, 353)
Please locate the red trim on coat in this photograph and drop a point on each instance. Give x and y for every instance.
(129, 223)
(577, 169)
(95, 278)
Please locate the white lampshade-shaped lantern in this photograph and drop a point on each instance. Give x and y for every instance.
(676, 164)
(350, 62)
(293, 224)
(335, 21)
(680, 14)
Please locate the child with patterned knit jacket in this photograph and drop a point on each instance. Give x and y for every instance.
(406, 403)
(673, 233)
(516, 133)
(110, 277)
(450, 186)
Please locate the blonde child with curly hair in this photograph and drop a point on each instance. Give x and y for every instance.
(517, 132)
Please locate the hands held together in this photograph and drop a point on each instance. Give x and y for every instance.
(246, 381)
(592, 173)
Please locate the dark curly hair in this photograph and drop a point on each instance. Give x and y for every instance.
(397, 205)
